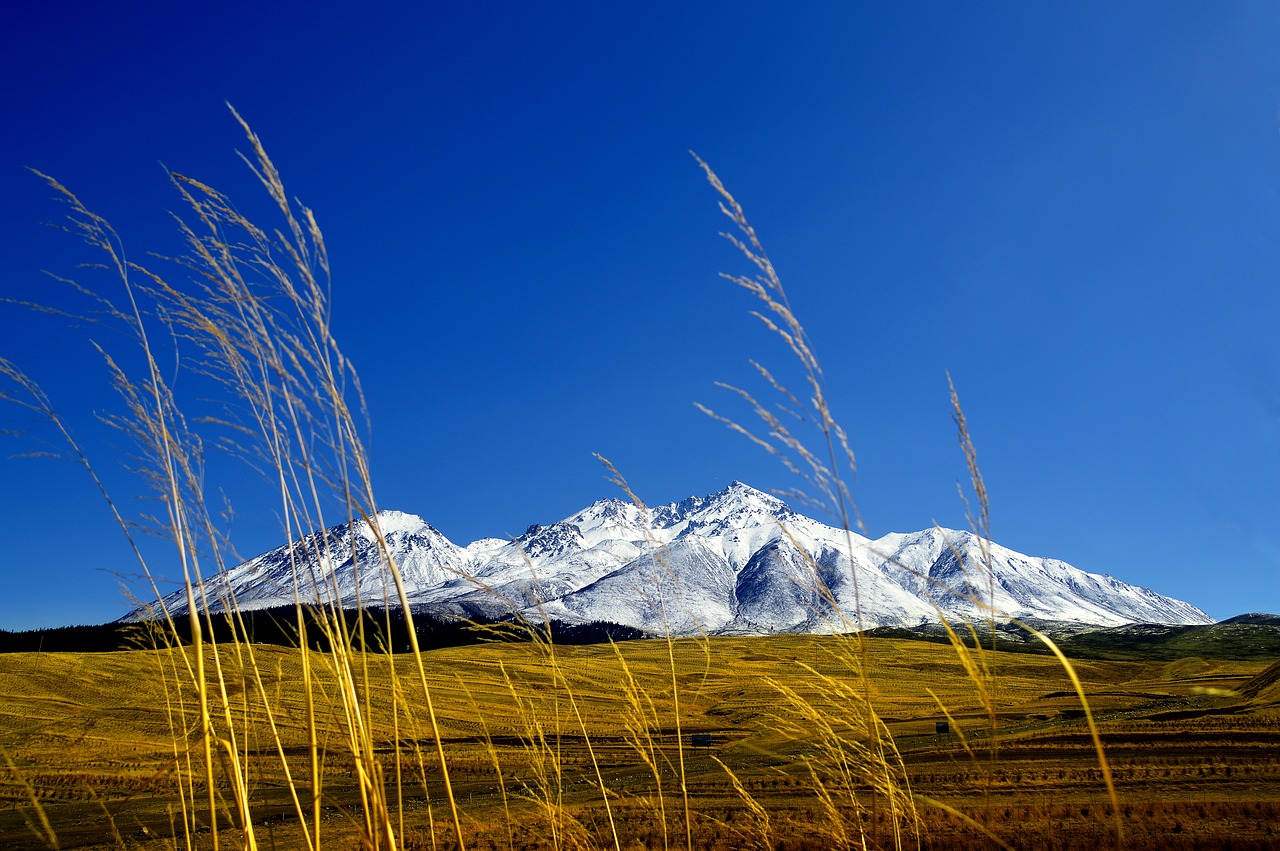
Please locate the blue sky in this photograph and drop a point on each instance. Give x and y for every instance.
(1074, 210)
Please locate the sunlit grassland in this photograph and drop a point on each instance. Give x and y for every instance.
(1191, 756)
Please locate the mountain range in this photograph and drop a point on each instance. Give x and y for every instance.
(739, 561)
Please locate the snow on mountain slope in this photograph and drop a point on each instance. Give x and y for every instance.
(343, 563)
(737, 561)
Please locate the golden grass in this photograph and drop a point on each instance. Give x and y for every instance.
(80, 726)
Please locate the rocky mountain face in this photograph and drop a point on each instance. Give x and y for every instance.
(735, 562)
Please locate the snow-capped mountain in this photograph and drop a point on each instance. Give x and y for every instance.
(738, 561)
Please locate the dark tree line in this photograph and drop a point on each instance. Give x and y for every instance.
(371, 629)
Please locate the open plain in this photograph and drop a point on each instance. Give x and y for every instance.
(531, 733)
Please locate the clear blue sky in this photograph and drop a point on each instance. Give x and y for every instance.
(1072, 208)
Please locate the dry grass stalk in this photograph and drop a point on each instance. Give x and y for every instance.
(255, 321)
(820, 471)
(658, 555)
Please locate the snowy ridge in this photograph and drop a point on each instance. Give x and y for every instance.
(738, 561)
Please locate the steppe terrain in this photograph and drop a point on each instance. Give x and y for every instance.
(1193, 746)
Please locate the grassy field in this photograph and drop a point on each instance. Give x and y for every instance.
(1194, 746)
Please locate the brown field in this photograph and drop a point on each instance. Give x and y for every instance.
(1193, 746)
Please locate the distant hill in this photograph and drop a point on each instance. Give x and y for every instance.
(1245, 637)
(1254, 617)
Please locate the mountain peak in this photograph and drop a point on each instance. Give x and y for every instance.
(744, 489)
(389, 521)
(737, 560)
(740, 493)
